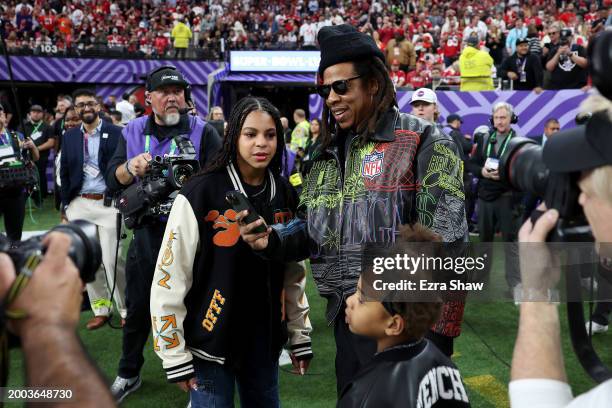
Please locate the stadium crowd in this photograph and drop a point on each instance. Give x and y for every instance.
(421, 40)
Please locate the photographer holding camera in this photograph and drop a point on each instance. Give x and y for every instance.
(143, 139)
(566, 62)
(86, 151)
(538, 373)
(16, 173)
(50, 305)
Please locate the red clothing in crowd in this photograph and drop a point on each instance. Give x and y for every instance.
(533, 20)
(160, 44)
(452, 46)
(590, 17)
(65, 25)
(48, 22)
(115, 40)
(567, 16)
(398, 77)
(386, 34)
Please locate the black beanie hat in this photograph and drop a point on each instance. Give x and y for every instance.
(343, 43)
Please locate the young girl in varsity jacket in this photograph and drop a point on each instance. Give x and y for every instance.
(216, 305)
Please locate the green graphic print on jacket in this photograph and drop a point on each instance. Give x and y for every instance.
(408, 172)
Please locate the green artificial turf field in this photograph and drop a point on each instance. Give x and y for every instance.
(483, 352)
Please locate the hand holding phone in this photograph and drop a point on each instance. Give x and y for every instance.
(239, 203)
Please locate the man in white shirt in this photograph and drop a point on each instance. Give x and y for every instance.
(308, 33)
(126, 109)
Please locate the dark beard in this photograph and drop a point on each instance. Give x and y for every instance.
(86, 120)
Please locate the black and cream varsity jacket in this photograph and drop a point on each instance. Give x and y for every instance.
(210, 290)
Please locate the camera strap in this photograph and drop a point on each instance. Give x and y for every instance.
(147, 148)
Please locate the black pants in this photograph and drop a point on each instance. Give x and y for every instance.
(12, 208)
(41, 165)
(180, 53)
(470, 198)
(352, 352)
(140, 267)
(500, 213)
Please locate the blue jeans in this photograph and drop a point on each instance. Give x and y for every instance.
(257, 384)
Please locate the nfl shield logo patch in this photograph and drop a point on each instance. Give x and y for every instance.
(372, 164)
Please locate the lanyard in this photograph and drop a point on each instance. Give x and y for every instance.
(5, 137)
(503, 148)
(148, 145)
(522, 66)
(37, 127)
(86, 146)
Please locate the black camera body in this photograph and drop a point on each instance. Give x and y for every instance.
(522, 167)
(85, 250)
(564, 36)
(19, 175)
(153, 195)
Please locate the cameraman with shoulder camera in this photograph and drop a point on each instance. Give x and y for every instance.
(496, 201)
(538, 373)
(14, 176)
(144, 138)
(51, 303)
(566, 62)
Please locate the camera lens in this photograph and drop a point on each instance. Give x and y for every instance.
(182, 173)
(85, 250)
(523, 168)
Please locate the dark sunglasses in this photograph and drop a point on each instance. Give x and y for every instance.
(340, 87)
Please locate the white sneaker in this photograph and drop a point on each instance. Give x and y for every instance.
(284, 359)
(597, 328)
(122, 387)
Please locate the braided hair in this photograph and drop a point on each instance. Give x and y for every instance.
(229, 149)
(371, 69)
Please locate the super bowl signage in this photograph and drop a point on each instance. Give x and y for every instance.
(274, 61)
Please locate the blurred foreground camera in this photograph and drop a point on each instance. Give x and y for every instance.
(523, 168)
(84, 251)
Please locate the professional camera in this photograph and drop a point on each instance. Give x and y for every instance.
(19, 174)
(153, 195)
(564, 36)
(523, 168)
(523, 165)
(564, 40)
(84, 251)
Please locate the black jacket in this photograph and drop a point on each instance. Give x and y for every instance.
(534, 73)
(71, 170)
(488, 189)
(409, 171)
(406, 376)
(465, 146)
(46, 133)
(211, 293)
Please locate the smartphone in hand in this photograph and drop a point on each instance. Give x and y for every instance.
(239, 203)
